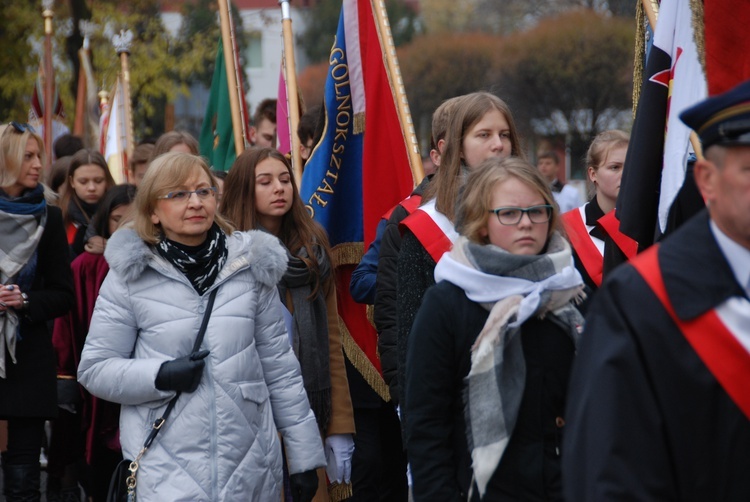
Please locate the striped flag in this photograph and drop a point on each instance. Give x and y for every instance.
(358, 170)
(115, 136)
(660, 143)
(87, 103)
(36, 112)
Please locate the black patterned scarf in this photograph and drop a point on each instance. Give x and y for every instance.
(200, 264)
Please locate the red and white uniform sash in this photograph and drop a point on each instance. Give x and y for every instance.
(433, 229)
(719, 336)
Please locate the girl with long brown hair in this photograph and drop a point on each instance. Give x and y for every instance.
(261, 193)
(87, 181)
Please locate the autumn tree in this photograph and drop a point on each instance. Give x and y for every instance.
(446, 16)
(438, 67)
(200, 20)
(161, 66)
(20, 30)
(572, 74)
(507, 16)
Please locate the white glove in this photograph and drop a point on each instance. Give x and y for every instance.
(339, 449)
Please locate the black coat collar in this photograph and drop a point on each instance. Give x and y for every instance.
(696, 273)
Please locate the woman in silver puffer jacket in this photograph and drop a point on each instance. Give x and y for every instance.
(240, 389)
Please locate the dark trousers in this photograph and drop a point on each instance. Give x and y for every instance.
(379, 462)
(21, 460)
(24, 441)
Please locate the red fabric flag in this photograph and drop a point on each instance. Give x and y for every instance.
(358, 170)
(727, 43)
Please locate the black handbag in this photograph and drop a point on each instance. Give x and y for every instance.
(123, 481)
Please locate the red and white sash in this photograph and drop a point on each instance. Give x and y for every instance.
(590, 250)
(611, 225)
(411, 203)
(433, 229)
(716, 336)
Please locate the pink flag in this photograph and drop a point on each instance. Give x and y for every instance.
(283, 132)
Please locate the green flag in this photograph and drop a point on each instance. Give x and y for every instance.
(217, 138)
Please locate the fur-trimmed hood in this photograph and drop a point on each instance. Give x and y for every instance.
(128, 255)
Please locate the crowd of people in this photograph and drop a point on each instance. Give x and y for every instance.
(201, 306)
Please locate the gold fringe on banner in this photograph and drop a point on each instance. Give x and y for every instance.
(371, 314)
(696, 6)
(639, 60)
(359, 123)
(362, 364)
(337, 492)
(348, 253)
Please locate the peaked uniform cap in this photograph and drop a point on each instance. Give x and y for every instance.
(723, 119)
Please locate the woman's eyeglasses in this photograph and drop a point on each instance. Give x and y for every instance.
(513, 215)
(184, 195)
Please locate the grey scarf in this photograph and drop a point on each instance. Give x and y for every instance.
(513, 288)
(310, 337)
(22, 222)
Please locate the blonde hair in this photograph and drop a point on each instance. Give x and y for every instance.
(12, 152)
(473, 213)
(468, 111)
(603, 143)
(168, 172)
(440, 118)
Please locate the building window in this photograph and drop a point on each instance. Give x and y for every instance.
(254, 50)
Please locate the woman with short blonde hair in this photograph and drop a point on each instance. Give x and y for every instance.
(239, 389)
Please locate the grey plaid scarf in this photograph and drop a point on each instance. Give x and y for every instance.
(22, 224)
(513, 288)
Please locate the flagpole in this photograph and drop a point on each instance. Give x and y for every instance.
(48, 80)
(292, 96)
(122, 44)
(241, 105)
(103, 107)
(397, 85)
(652, 13)
(79, 127)
(229, 63)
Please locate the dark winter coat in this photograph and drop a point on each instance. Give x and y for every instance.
(386, 315)
(438, 359)
(30, 389)
(646, 419)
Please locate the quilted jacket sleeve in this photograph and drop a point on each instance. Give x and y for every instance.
(106, 368)
(291, 409)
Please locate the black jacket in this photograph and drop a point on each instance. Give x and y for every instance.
(438, 359)
(30, 389)
(646, 419)
(385, 315)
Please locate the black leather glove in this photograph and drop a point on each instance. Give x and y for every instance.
(182, 374)
(304, 485)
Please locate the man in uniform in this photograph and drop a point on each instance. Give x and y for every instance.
(659, 404)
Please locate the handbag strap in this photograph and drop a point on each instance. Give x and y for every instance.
(198, 341)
